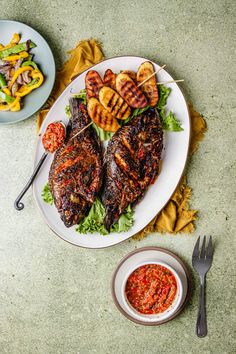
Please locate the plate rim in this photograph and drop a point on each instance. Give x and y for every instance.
(53, 74)
(182, 174)
(129, 255)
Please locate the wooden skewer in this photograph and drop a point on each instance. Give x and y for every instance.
(81, 131)
(169, 82)
(162, 67)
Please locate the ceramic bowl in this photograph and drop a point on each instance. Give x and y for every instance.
(174, 306)
(43, 57)
(137, 258)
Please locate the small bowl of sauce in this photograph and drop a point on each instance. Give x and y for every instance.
(54, 136)
(152, 290)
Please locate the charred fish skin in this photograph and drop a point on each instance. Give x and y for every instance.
(75, 176)
(131, 163)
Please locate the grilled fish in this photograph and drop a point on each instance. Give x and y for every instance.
(75, 176)
(131, 163)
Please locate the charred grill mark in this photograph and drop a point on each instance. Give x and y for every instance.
(110, 103)
(132, 94)
(115, 100)
(123, 109)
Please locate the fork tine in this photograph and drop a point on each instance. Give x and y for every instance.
(209, 253)
(202, 254)
(196, 248)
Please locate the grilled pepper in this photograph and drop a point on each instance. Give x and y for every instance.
(29, 63)
(16, 49)
(3, 82)
(17, 73)
(14, 106)
(15, 39)
(25, 90)
(6, 98)
(23, 54)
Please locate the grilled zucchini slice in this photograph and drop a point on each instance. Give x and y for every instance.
(126, 87)
(149, 87)
(114, 103)
(101, 116)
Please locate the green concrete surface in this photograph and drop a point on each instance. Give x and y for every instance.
(54, 297)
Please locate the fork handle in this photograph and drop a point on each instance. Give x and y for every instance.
(201, 327)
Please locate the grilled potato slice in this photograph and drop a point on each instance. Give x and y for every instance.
(149, 87)
(114, 103)
(110, 79)
(130, 92)
(101, 116)
(131, 74)
(93, 83)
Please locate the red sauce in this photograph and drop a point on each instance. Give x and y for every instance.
(53, 137)
(151, 289)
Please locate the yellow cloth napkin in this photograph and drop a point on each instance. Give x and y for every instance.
(176, 216)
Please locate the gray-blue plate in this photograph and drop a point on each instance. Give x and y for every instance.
(43, 57)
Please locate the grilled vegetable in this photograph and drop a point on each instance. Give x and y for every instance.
(6, 98)
(114, 103)
(110, 79)
(17, 49)
(3, 82)
(131, 74)
(101, 116)
(93, 83)
(16, 57)
(30, 63)
(130, 92)
(150, 86)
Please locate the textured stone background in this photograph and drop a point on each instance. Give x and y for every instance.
(55, 298)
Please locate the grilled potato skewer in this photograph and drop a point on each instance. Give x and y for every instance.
(110, 79)
(93, 83)
(130, 92)
(150, 86)
(101, 116)
(114, 103)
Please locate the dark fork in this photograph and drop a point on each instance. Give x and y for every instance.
(202, 261)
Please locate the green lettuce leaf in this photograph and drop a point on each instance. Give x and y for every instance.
(47, 195)
(171, 123)
(67, 110)
(125, 221)
(102, 134)
(81, 95)
(93, 222)
(163, 95)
